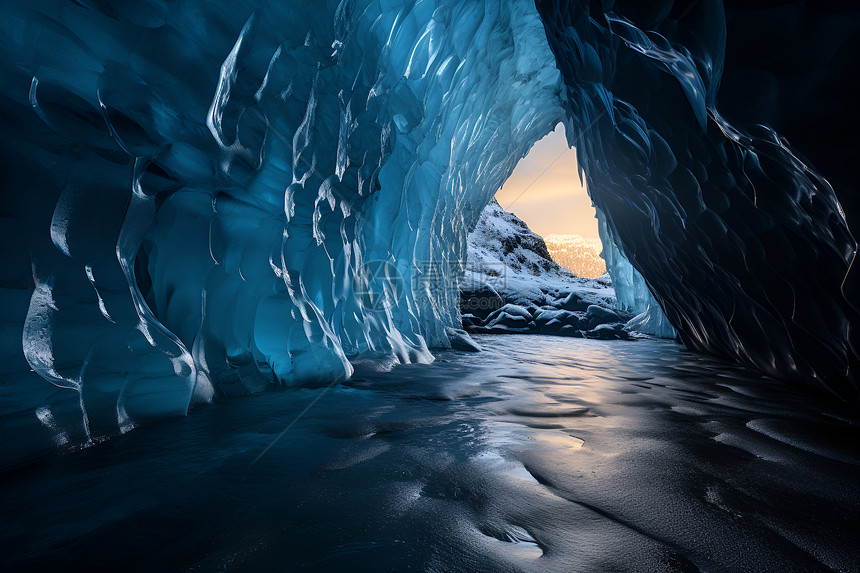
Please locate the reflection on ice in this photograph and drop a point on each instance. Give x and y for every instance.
(557, 455)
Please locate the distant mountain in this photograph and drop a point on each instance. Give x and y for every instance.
(577, 254)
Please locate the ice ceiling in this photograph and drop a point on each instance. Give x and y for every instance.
(192, 192)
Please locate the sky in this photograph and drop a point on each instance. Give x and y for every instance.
(545, 192)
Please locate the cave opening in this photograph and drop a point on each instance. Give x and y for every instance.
(548, 192)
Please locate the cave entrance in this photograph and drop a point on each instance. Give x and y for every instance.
(541, 223)
(546, 193)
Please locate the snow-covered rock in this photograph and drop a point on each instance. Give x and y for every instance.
(509, 266)
(504, 254)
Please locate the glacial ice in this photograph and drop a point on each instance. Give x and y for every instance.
(742, 244)
(194, 192)
(631, 290)
(218, 179)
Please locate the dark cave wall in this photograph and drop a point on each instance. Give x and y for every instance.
(741, 241)
(793, 66)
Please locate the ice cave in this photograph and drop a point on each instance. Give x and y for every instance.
(259, 236)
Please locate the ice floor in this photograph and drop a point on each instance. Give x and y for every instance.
(539, 454)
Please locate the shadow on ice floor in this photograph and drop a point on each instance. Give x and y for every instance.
(539, 454)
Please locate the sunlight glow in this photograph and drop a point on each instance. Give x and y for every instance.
(545, 190)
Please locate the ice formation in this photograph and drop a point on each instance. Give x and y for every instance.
(631, 290)
(194, 192)
(743, 245)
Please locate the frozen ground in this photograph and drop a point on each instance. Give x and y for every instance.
(538, 454)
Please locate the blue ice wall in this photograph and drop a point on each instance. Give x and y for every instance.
(200, 197)
(221, 197)
(631, 291)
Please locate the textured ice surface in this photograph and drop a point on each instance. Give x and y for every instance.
(743, 245)
(192, 192)
(631, 290)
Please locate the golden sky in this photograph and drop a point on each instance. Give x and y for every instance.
(551, 198)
